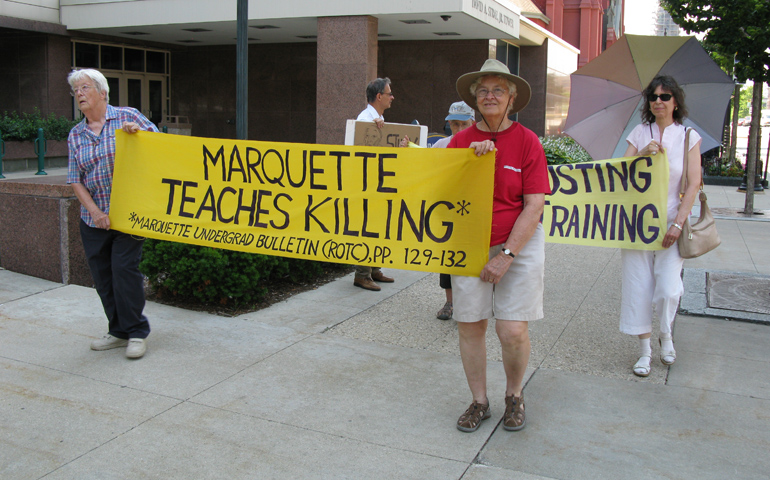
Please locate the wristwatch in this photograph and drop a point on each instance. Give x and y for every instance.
(509, 253)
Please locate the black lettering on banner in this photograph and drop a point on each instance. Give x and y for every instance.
(346, 228)
(654, 231)
(405, 213)
(186, 199)
(252, 167)
(252, 208)
(448, 226)
(172, 184)
(304, 171)
(284, 212)
(645, 176)
(365, 156)
(219, 204)
(208, 204)
(584, 167)
(236, 155)
(385, 173)
(339, 156)
(275, 179)
(623, 176)
(600, 222)
(261, 210)
(220, 156)
(613, 221)
(309, 213)
(364, 232)
(316, 171)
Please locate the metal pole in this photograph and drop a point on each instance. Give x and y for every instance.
(40, 149)
(2, 154)
(242, 72)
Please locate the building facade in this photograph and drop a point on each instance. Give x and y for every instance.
(308, 61)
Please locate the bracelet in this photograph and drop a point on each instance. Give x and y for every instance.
(677, 226)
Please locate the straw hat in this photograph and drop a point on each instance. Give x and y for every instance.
(494, 67)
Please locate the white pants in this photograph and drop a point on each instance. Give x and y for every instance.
(652, 283)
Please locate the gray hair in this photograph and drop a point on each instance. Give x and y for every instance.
(376, 87)
(511, 86)
(100, 82)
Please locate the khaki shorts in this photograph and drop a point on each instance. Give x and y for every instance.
(518, 295)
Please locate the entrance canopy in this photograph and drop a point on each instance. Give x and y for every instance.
(203, 22)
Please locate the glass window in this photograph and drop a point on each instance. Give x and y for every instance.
(114, 84)
(112, 58)
(134, 60)
(156, 62)
(86, 55)
(134, 87)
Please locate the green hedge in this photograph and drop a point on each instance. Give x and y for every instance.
(24, 127)
(219, 277)
(561, 149)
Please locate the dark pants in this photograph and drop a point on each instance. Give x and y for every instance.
(444, 280)
(114, 261)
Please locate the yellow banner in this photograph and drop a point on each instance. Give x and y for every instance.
(619, 202)
(414, 209)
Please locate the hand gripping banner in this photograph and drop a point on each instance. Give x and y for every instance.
(404, 208)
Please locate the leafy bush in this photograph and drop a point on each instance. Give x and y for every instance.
(723, 167)
(561, 149)
(24, 127)
(218, 277)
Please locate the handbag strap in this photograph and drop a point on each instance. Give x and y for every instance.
(683, 185)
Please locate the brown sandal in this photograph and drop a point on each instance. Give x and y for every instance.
(471, 419)
(514, 419)
(446, 312)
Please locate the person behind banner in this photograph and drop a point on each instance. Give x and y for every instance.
(113, 257)
(379, 97)
(651, 279)
(510, 286)
(460, 117)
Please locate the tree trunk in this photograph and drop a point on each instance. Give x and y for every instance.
(736, 108)
(751, 161)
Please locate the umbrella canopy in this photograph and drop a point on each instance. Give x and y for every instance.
(605, 100)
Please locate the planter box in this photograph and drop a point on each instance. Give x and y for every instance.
(40, 234)
(21, 156)
(723, 181)
(15, 149)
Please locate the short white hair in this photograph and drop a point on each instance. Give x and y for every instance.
(100, 82)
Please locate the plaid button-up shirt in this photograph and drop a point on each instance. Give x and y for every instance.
(92, 156)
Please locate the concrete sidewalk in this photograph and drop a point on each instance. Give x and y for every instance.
(344, 383)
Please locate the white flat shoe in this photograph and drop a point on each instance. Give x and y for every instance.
(667, 357)
(642, 366)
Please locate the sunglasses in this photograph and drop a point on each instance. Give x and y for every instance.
(663, 96)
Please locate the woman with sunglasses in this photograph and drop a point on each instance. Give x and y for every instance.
(652, 282)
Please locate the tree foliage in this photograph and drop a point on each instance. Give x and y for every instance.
(732, 27)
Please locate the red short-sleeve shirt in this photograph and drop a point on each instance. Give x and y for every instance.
(520, 169)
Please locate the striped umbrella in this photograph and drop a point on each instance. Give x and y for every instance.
(605, 98)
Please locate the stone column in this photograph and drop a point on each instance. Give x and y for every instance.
(347, 62)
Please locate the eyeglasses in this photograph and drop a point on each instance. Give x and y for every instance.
(85, 88)
(663, 96)
(497, 92)
(387, 93)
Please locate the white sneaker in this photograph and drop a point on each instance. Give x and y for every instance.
(136, 348)
(107, 342)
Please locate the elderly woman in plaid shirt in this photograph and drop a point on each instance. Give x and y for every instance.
(113, 257)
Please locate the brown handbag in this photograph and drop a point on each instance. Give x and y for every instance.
(702, 236)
